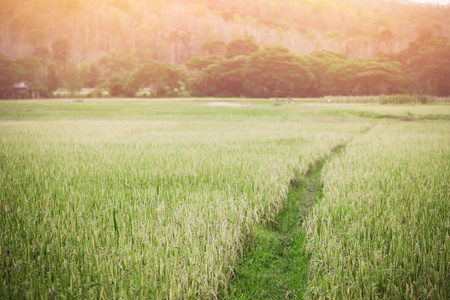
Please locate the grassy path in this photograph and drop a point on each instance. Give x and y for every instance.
(276, 267)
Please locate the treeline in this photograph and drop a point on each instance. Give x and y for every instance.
(241, 68)
(423, 68)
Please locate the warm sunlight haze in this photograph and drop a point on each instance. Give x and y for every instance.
(442, 2)
(214, 149)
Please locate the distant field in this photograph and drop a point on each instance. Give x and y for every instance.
(158, 199)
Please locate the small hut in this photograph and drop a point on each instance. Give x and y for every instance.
(22, 90)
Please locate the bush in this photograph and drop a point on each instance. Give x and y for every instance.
(117, 88)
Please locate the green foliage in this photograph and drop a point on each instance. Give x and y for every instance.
(364, 77)
(162, 78)
(334, 34)
(115, 68)
(319, 62)
(35, 37)
(263, 74)
(119, 61)
(200, 63)
(117, 87)
(61, 49)
(275, 70)
(33, 70)
(92, 79)
(52, 80)
(214, 48)
(242, 46)
(423, 68)
(70, 77)
(386, 36)
(428, 64)
(90, 75)
(9, 72)
(42, 52)
(224, 79)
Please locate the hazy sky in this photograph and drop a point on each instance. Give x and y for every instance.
(432, 1)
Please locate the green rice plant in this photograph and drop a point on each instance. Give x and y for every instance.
(144, 200)
(404, 99)
(382, 229)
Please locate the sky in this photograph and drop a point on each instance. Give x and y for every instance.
(432, 1)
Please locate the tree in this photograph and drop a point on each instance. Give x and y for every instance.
(93, 78)
(214, 48)
(119, 61)
(180, 45)
(89, 74)
(42, 52)
(243, 46)
(52, 79)
(162, 78)
(33, 70)
(35, 37)
(319, 62)
(70, 76)
(386, 37)
(275, 70)
(115, 68)
(116, 86)
(427, 61)
(200, 63)
(61, 49)
(365, 77)
(9, 72)
(146, 46)
(224, 79)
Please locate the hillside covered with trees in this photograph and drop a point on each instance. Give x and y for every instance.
(226, 48)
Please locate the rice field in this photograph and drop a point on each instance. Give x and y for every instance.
(143, 200)
(381, 231)
(159, 199)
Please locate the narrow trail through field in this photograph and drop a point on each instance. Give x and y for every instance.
(276, 267)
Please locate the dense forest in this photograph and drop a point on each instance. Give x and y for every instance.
(226, 48)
